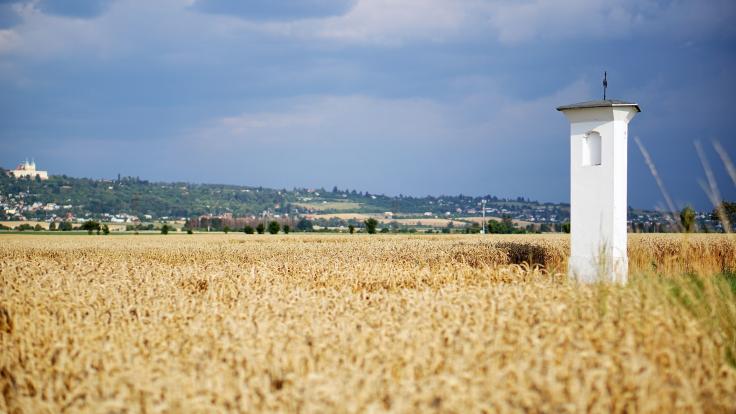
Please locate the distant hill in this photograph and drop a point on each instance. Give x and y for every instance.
(133, 196)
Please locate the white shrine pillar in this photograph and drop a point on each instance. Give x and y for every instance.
(598, 202)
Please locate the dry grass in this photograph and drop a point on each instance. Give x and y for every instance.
(360, 324)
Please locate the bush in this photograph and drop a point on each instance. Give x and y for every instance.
(351, 229)
(304, 225)
(189, 231)
(52, 226)
(687, 219)
(165, 229)
(500, 227)
(274, 227)
(385, 230)
(226, 229)
(286, 229)
(474, 228)
(370, 225)
(90, 226)
(65, 226)
(248, 229)
(260, 228)
(105, 229)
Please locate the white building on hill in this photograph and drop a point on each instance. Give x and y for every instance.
(28, 169)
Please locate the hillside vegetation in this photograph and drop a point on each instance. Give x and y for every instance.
(177, 200)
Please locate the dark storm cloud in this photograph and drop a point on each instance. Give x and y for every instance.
(413, 96)
(276, 10)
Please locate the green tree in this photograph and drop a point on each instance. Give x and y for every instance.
(505, 226)
(566, 227)
(287, 228)
(37, 227)
(189, 231)
(248, 229)
(65, 226)
(304, 225)
(105, 229)
(370, 225)
(165, 229)
(90, 226)
(226, 229)
(274, 227)
(260, 228)
(687, 219)
(52, 226)
(351, 229)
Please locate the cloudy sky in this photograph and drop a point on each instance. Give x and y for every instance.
(413, 96)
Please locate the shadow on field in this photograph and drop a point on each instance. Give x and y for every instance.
(532, 254)
(547, 255)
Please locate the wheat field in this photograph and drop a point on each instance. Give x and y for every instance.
(329, 323)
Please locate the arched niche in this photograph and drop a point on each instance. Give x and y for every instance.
(591, 149)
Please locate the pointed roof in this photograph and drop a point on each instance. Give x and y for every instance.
(608, 103)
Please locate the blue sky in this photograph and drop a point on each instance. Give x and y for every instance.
(414, 96)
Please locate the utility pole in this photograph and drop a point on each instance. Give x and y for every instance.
(483, 204)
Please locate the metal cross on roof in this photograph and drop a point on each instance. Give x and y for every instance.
(605, 84)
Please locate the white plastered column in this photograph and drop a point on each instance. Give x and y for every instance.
(598, 191)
